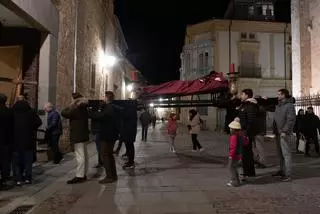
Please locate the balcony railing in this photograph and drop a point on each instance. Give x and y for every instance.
(250, 71)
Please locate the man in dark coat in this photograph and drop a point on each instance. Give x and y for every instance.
(79, 134)
(145, 119)
(54, 131)
(248, 117)
(25, 124)
(108, 134)
(311, 126)
(6, 135)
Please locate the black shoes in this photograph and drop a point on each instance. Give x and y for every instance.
(128, 165)
(77, 180)
(107, 180)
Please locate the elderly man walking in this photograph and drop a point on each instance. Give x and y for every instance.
(53, 131)
(284, 121)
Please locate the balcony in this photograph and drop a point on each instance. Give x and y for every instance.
(250, 71)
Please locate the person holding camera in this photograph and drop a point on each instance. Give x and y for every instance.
(108, 134)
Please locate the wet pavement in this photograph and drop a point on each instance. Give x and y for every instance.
(183, 183)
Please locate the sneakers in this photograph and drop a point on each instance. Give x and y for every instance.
(201, 150)
(77, 180)
(128, 166)
(232, 184)
(286, 179)
(108, 180)
(27, 182)
(173, 150)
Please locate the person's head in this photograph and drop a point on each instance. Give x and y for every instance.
(235, 126)
(3, 99)
(192, 113)
(246, 94)
(109, 96)
(48, 107)
(310, 110)
(283, 94)
(76, 95)
(301, 112)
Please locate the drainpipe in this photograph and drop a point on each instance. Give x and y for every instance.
(75, 4)
(230, 24)
(285, 55)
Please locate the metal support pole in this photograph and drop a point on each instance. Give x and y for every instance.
(75, 4)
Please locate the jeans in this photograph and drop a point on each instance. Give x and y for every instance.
(144, 132)
(22, 165)
(312, 139)
(259, 153)
(109, 162)
(233, 164)
(96, 139)
(284, 152)
(54, 144)
(130, 151)
(81, 153)
(195, 142)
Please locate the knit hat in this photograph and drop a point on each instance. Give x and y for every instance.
(235, 124)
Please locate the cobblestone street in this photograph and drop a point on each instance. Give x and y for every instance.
(185, 183)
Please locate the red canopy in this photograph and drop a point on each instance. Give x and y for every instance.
(211, 83)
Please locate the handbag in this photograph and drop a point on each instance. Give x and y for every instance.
(302, 144)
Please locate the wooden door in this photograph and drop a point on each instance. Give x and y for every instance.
(10, 70)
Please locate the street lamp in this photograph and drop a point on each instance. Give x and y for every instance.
(106, 60)
(130, 88)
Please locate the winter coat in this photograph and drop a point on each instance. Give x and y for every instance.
(298, 126)
(172, 126)
(284, 117)
(145, 118)
(107, 118)
(25, 125)
(248, 114)
(195, 124)
(261, 122)
(310, 125)
(236, 143)
(129, 123)
(54, 124)
(6, 126)
(78, 120)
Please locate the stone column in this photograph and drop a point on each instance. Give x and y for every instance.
(301, 47)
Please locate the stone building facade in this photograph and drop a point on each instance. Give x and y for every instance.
(305, 21)
(260, 51)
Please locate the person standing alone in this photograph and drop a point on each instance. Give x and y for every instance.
(53, 131)
(145, 119)
(79, 134)
(284, 121)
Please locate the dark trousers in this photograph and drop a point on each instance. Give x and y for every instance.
(97, 142)
(22, 165)
(109, 163)
(144, 132)
(195, 142)
(248, 160)
(119, 146)
(54, 144)
(5, 162)
(312, 139)
(130, 151)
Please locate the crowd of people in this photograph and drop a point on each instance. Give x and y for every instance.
(111, 122)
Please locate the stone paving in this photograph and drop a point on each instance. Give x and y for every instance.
(186, 183)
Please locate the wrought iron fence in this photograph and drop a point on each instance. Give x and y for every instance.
(306, 101)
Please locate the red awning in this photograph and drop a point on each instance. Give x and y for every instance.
(214, 82)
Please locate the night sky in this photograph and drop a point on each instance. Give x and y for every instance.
(155, 31)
